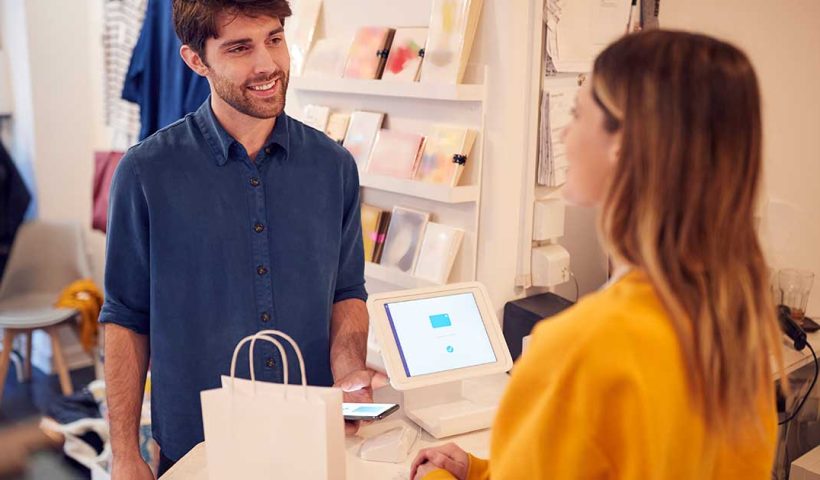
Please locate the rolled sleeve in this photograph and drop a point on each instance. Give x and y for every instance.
(350, 278)
(127, 266)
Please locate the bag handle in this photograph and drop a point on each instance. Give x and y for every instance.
(268, 335)
(252, 339)
(293, 344)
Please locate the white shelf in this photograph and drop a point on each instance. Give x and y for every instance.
(413, 188)
(430, 91)
(394, 276)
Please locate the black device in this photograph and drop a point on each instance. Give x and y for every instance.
(367, 411)
(798, 336)
(791, 328)
(520, 316)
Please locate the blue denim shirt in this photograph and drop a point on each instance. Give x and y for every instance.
(206, 247)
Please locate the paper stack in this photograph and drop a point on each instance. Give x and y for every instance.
(556, 114)
(578, 30)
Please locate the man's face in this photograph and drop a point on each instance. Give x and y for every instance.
(249, 65)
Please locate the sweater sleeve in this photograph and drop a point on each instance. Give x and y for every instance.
(479, 469)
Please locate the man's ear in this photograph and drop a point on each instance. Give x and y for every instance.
(193, 60)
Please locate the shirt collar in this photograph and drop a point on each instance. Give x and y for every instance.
(221, 141)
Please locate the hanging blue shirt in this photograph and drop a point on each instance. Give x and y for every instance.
(206, 247)
(158, 79)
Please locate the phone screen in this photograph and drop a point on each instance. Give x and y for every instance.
(367, 411)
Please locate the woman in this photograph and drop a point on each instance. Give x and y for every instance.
(665, 373)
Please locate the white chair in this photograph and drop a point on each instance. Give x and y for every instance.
(44, 259)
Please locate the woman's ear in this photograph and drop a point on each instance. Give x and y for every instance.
(614, 150)
(193, 60)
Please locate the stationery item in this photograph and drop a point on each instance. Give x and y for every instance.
(438, 252)
(396, 154)
(384, 224)
(361, 133)
(327, 58)
(401, 247)
(371, 219)
(244, 419)
(299, 30)
(445, 153)
(452, 27)
(337, 126)
(316, 116)
(404, 60)
(368, 53)
(578, 30)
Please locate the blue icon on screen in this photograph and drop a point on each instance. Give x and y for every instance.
(440, 321)
(450, 349)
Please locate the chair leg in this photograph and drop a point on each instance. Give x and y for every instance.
(59, 361)
(5, 357)
(27, 364)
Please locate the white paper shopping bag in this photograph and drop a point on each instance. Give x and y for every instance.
(259, 430)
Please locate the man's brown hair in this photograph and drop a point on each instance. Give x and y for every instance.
(195, 20)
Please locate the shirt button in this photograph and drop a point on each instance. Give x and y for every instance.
(258, 228)
(265, 317)
(269, 362)
(255, 182)
(267, 150)
(261, 270)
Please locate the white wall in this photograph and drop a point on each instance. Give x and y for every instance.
(782, 39)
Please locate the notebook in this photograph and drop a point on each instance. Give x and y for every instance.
(384, 224)
(396, 154)
(316, 116)
(371, 220)
(368, 53)
(299, 30)
(337, 126)
(361, 133)
(452, 27)
(405, 59)
(401, 246)
(438, 163)
(438, 252)
(327, 58)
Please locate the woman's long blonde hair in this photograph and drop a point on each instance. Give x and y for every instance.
(682, 201)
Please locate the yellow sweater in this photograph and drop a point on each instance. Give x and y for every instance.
(601, 393)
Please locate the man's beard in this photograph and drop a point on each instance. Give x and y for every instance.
(241, 99)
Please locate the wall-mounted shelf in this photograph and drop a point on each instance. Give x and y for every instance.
(430, 91)
(394, 276)
(413, 188)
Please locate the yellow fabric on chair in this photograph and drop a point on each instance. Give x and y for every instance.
(85, 297)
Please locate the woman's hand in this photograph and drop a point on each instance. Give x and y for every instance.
(448, 457)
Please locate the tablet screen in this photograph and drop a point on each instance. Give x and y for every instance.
(439, 334)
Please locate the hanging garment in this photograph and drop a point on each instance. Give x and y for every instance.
(122, 21)
(104, 165)
(157, 79)
(85, 297)
(14, 200)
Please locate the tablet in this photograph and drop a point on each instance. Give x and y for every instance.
(438, 335)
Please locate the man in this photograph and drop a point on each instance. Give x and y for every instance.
(234, 219)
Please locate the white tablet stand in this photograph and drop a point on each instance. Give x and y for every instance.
(439, 402)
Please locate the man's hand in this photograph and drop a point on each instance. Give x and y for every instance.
(131, 468)
(448, 457)
(357, 388)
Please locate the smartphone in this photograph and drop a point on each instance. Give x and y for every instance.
(368, 411)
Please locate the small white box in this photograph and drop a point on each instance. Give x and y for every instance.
(548, 221)
(806, 467)
(550, 265)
